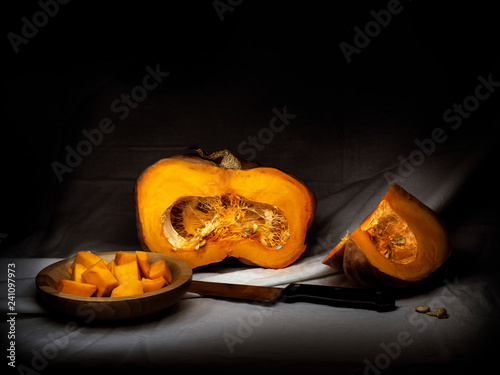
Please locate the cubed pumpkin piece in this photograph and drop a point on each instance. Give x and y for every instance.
(143, 262)
(77, 272)
(86, 258)
(127, 271)
(150, 285)
(76, 288)
(160, 268)
(111, 266)
(100, 276)
(123, 257)
(130, 287)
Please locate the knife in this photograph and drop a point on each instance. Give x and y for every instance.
(322, 294)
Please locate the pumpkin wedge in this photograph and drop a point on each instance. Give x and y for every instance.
(399, 244)
(202, 212)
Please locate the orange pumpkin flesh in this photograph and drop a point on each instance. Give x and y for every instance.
(100, 276)
(399, 244)
(121, 277)
(131, 287)
(195, 210)
(76, 288)
(160, 269)
(150, 285)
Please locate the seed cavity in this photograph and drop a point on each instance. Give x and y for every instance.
(391, 235)
(193, 220)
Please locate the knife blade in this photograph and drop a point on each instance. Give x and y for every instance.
(296, 292)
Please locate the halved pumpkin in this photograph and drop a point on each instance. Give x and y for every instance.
(399, 244)
(202, 212)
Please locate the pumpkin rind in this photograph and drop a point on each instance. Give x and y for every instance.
(364, 263)
(165, 182)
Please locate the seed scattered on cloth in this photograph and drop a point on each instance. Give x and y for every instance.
(440, 313)
(422, 309)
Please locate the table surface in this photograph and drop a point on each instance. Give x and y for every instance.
(200, 332)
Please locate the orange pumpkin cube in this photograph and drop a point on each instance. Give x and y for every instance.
(160, 268)
(85, 258)
(76, 288)
(150, 285)
(127, 271)
(123, 257)
(111, 266)
(143, 262)
(130, 287)
(77, 272)
(101, 277)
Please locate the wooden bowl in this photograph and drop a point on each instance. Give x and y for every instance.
(113, 308)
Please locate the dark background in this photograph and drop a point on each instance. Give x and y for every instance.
(354, 123)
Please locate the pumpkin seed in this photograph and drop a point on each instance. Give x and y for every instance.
(441, 313)
(397, 239)
(422, 309)
(254, 228)
(250, 229)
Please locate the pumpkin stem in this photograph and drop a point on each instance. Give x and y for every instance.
(229, 161)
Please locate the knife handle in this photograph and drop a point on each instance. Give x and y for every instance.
(339, 296)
